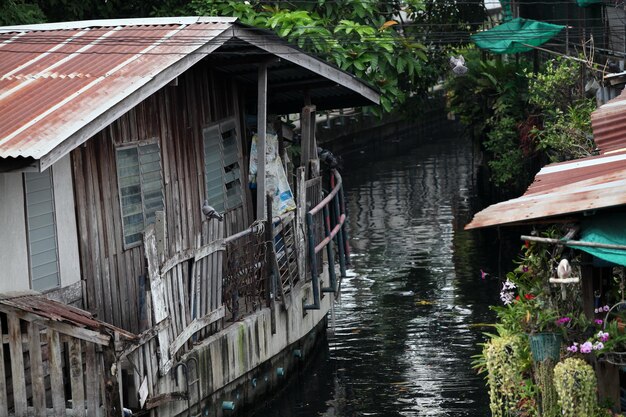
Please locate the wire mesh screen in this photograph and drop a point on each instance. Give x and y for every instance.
(244, 287)
(313, 197)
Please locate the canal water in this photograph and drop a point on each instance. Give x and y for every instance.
(409, 318)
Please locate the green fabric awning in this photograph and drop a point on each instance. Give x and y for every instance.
(511, 37)
(605, 229)
(585, 3)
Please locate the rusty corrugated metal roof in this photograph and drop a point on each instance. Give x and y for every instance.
(609, 125)
(56, 78)
(61, 83)
(561, 189)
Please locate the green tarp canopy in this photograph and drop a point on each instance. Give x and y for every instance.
(512, 36)
(585, 3)
(609, 229)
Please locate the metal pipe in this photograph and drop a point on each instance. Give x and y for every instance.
(329, 253)
(340, 242)
(314, 278)
(346, 238)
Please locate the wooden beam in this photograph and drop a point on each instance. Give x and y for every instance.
(310, 63)
(196, 326)
(261, 145)
(573, 243)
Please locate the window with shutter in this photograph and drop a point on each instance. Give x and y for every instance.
(42, 230)
(140, 187)
(221, 166)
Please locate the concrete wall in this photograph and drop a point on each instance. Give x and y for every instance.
(247, 350)
(14, 275)
(14, 269)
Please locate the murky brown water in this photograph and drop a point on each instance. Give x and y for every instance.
(404, 333)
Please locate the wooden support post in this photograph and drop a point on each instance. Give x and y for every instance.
(17, 365)
(76, 377)
(112, 400)
(307, 143)
(56, 373)
(261, 145)
(301, 222)
(36, 371)
(270, 270)
(3, 382)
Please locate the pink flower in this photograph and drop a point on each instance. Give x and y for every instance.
(562, 321)
(586, 347)
(603, 336)
(598, 346)
(573, 348)
(606, 308)
(598, 322)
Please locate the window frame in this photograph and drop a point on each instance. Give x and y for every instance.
(137, 145)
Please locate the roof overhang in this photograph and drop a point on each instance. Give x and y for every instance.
(72, 117)
(563, 189)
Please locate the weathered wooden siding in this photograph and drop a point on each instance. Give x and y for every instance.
(115, 277)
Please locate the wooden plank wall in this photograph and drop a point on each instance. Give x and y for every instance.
(176, 115)
(41, 370)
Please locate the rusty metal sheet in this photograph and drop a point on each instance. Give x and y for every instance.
(59, 312)
(563, 189)
(609, 125)
(54, 79)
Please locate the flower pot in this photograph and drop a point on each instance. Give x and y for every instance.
(545, 346)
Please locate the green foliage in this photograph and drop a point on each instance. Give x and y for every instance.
(555, 95)
(522, 117)
(19, 12)
(575, 383)
(358, 36)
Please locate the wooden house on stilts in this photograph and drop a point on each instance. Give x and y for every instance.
(117, 290)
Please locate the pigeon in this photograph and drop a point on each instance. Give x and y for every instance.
(210, 212)
(458, 65)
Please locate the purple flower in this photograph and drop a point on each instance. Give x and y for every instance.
(524, 268)
(606, 308)
(562, 321)
(598, 322)
(586, 347)
(573, 348)
(598, 346)
(603, 336)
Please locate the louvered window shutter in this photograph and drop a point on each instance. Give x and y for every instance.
(141, 188)
(222, 166)
(42, 231)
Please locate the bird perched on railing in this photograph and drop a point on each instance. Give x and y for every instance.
(210, 212)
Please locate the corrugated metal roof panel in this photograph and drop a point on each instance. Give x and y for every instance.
(609, 125)
(53, 82)
(60, 83)
(563, 189)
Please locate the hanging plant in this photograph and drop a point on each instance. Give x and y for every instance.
(508, 390)
(575, 383)
(544, 378)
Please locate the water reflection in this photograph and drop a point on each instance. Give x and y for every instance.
(404, 337)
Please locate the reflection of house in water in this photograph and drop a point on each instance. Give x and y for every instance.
(112, 136)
